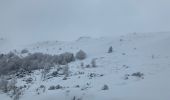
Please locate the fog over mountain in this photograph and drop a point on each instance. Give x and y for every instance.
(84, 49)
(36, 20)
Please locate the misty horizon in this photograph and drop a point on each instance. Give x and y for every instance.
(84, 49)
(31, 21)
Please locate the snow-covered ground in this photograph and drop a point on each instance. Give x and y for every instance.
(147, 53)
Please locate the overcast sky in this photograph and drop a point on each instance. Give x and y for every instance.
(34, 20)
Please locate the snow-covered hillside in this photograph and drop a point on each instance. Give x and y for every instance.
(137, 69)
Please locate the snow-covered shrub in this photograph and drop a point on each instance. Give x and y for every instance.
(8, 86)
(24, 51)
(126, 77)
(3, 85)
(10, 54)
(54, 74)
(68, 57)
(153, 56)
(86, 86)
(11, 63)
(77, 86)
(36, 61)
(66, 70)
(58, 87)
(12, 84)
(81, 55)
(76, 98)
(121, 40)
(93, 63)
(29, 80)
(65, 58)
(17, 93)
(51, 88)
(105, 87)
(55, 59)
(88, 66)
(61, 71)
(55, 87)
(22, 73)
(110, 50)
(45, 71)
(60, 48)
(82, 64)
(138, 74)
(41, 89)
(93, 75)
(123, 53)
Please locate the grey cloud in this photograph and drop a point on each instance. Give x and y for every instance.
(35, 20)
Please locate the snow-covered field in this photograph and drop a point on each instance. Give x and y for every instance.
(147, 53)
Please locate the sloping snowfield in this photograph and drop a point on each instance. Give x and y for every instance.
(146, 54)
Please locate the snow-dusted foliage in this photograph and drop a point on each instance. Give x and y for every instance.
(65, 58)
(105, 87)
(110, 49)
(3, 85)
(10, 63)
(8, 85)
(93, 63)
(81, 55)
(24, 51)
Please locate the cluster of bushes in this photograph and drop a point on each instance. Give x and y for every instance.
(55, 87)
(11, 63)
(138, 74)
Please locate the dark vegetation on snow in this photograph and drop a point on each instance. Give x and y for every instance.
(11, 63)
(13, 66)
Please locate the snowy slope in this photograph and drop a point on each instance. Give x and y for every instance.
(147, 53)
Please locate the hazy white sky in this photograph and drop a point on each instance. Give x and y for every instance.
(34, 20)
